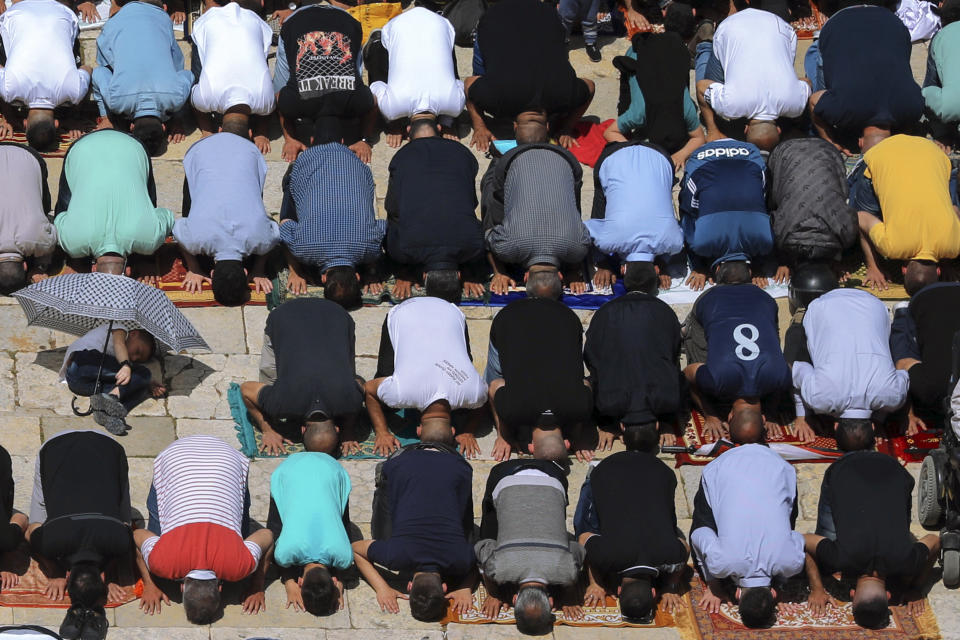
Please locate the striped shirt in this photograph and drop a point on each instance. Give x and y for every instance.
(199, 479)
(328, 218)
(541, 212)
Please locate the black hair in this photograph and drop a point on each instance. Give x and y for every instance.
(252, 5)
(680, 20)
(949, 12)
(872, 613)
(343, 287)
(444, 284)
(641, 276)
(236, 126)
(149, 131)
(427, 600)
(920, 273)
(148, 338)
(320, 594)
(86, 588)
(641, 437)
(12, 276)
(327, 129)
(201, 600)
(636, 599)
(417, 124)
(42, 133)
(532, 611)
(229, 283)
(855, 434)
(757, 608)
(733, 272)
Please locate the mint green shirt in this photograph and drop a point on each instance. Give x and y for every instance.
(311, 490)
(109, 208)
(944, 100)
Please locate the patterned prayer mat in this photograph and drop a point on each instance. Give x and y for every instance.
(836, 624)
(29, 592)
(21, 138)
(605, 616)
(170, 265)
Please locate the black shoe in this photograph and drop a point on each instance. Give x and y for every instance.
(73, 623)
(96, 625)
(593, 52)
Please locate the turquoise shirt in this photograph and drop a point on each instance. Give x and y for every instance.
(635, 117)
(944, 100)
(109, 208)
(311, 490)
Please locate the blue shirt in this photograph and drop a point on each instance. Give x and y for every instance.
(140, 70)
(723, 208)
(328, 218)
(635, 117)
(635, 229)
(744, 359)
(311, 490)
(225, 175)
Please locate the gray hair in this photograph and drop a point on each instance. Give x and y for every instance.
(533, 612)
(544, 284)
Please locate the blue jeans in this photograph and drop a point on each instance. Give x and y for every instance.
(82, 371)
(707, 66)
(583, 12)
(813, 67)
(153, 513)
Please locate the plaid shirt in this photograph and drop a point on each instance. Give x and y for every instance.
(328, 218)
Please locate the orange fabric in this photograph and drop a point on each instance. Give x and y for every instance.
(203, 546)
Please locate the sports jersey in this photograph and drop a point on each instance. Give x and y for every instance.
(744, 359)
(723, 208)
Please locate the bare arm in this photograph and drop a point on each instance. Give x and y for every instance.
(384, 441)
(613, 133)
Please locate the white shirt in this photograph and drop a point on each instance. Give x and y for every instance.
(431, 362)
(233, 44)
(751, 491)
(852, 374)
(756, 50)
(420, 44)
(41, 70)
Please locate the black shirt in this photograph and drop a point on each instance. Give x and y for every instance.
(633, 354)
(322, 45)
(633, 494)
(868, 494)
(86, 493)
(313, 342)
(431, 202)
(10, 534)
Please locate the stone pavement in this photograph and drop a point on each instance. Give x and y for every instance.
(33, 406)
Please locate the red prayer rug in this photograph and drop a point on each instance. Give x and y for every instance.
(29, 593)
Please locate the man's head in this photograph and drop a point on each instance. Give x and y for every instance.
(435, 424)
(637, 598)
(320, 434)
(533, 611)
(733, 272)
(640, 437)
(111, 263)
(871, 603)
(41, 129)
(327, 129)
(919, 273)
(342, 285)
(855, 434)
(746, 422)
(679, 19)
(237, 123)
(86, 588)
(320, 594)
(201, 600)
(149, 131)
(444, 284)
(763, 133)
(141, 346)
(229, 283)
(641, 276)
(530, 127)
(949, 12)
(543, 281)
(12, 276)
(548, 444)
(423, 125)
(871, 137)
(757, 607)
(428, 602)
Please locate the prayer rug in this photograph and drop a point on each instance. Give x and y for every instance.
(20, 137)
(171, 283)
(836, 624)
(250, 437)
(29, 592)
(805, 27)
(605, 616)
(590, 141)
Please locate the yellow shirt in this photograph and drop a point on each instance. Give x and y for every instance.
(911, 177)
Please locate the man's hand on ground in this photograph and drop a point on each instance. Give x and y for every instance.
(803, 430)
(774, 429)
(697, 281)
(605, 440)
(38, 277)
(782, 275)
(178, 17)
(473, 290)
(819, 601)
(914, 602)
(294, 596)
(348, 447)
(262, 284)
(281, 15)
(373, 288)
(291, 149)
(713, 429)
(567, 141)
(385, 444)
(74, 134)
(175, 133)
(387, 599)
(604, 277)
(88, 12)
(103, 122)
(394, 140)
(710, 602)
(255, 603)
(481, 139)
(362, 150)
(668, 439)
(595, 596)
(577, 287)
(665, 281)
(572, 612)
(469, 447)
(115, 593)
(491, 607)
(151, 599)
(401, 290)
(296, 283)
(636, 20)
(789, 608)
(3, 6)
(157, 390)
(761, 281)
(56, 587)
(193, 282)
(501, 450)
(875, 280)
(8, 580)
(671, 602)
(914, 424)
(6, 129)
(149, 280)
(584, 455)
(263, 143)
(273, 443)
(501, 284)
(461, 599)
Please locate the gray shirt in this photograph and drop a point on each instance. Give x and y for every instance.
(532, 542)
(24, 227)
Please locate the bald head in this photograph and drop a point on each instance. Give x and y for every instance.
(549, 445)
(919, 274)
(111, 264)
(746, 424)
(763, 133)
(530, 127)
(320, 436)
(435, 424)
(871, 137)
